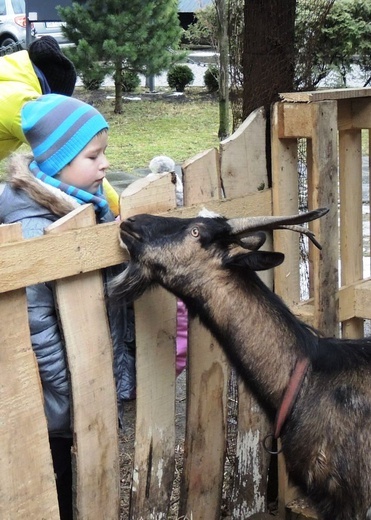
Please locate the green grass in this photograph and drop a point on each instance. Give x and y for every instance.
(159, 124)
(179, 127)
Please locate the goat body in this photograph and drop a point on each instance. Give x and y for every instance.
(210, 264)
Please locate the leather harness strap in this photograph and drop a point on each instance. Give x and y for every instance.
(290, 394)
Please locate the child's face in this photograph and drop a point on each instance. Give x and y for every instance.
(88, 169)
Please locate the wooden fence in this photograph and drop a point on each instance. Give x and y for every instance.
(232, 181)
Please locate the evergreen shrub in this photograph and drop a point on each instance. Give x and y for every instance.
(211, 78)
(130, 81)
(179, 76)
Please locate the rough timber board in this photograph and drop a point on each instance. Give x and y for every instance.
(322, 95)
(76, 251)
(87, 337)
(27, 483)
(243, 164)
(155, 311)
(207, 373)
(204, 449)
(202, 183)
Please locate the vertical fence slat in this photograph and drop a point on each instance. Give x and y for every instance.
(81, 305)
(155, 311)
(351, 232)
(202, 183)
(27, 483)
(204, 450)
(243, 171)
(325, 194)
(285, 202)
(207, 377)
(243, 162)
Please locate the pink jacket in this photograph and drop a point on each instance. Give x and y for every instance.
(182, 337)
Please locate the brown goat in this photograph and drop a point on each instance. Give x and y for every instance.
(210, 264)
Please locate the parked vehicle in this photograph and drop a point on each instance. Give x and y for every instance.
(52, 29)
(13, 23)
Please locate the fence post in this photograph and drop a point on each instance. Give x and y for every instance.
(27, 483)
(81, 305)
(155, 314)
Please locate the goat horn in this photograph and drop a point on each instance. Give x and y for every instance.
(244, 226)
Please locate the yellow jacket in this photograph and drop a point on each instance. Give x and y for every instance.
(19, 84)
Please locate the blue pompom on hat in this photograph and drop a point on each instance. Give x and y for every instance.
(58, 128)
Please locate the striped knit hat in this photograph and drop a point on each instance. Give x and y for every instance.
(57, 128)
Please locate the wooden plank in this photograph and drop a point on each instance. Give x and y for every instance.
(82, 311)
(285, 201)
(73, 252)
(355, 300)
(204, 450)
(27, 483)
(323, 95)
(354, 114)
(243, 157)
(351, 225)
(253, 204)
(154, 460)
(207, 378)
(293, 120)
(155, 324)
(53, 257)
(325, 194)
(250, 477)
(304, 310)
(154, 193)
(202, 166)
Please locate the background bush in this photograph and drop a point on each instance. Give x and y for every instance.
(179, 76)
(211, 78)
(130, 81)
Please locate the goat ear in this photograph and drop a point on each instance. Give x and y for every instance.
(257, 260)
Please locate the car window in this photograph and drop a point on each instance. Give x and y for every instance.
(18, 6)
(2, 7)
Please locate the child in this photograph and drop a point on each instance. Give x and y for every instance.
(68, 139)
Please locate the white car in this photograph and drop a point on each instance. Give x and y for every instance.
(51, 29)
(13, 23)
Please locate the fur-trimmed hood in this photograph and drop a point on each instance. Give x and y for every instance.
(25, 193)
(25, 196)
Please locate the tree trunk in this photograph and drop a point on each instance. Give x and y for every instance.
(118, 88)
(268, 60)
(221, 11)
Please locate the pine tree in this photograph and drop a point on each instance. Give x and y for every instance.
(112, 36)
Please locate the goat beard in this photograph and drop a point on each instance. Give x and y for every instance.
(129, 285)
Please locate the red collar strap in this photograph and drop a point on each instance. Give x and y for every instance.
(290, 394)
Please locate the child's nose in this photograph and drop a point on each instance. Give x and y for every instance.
(104, 163)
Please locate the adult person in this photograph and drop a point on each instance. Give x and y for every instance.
(68, 139)
(26, 75)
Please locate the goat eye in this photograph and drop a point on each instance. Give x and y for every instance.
(195, 232)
